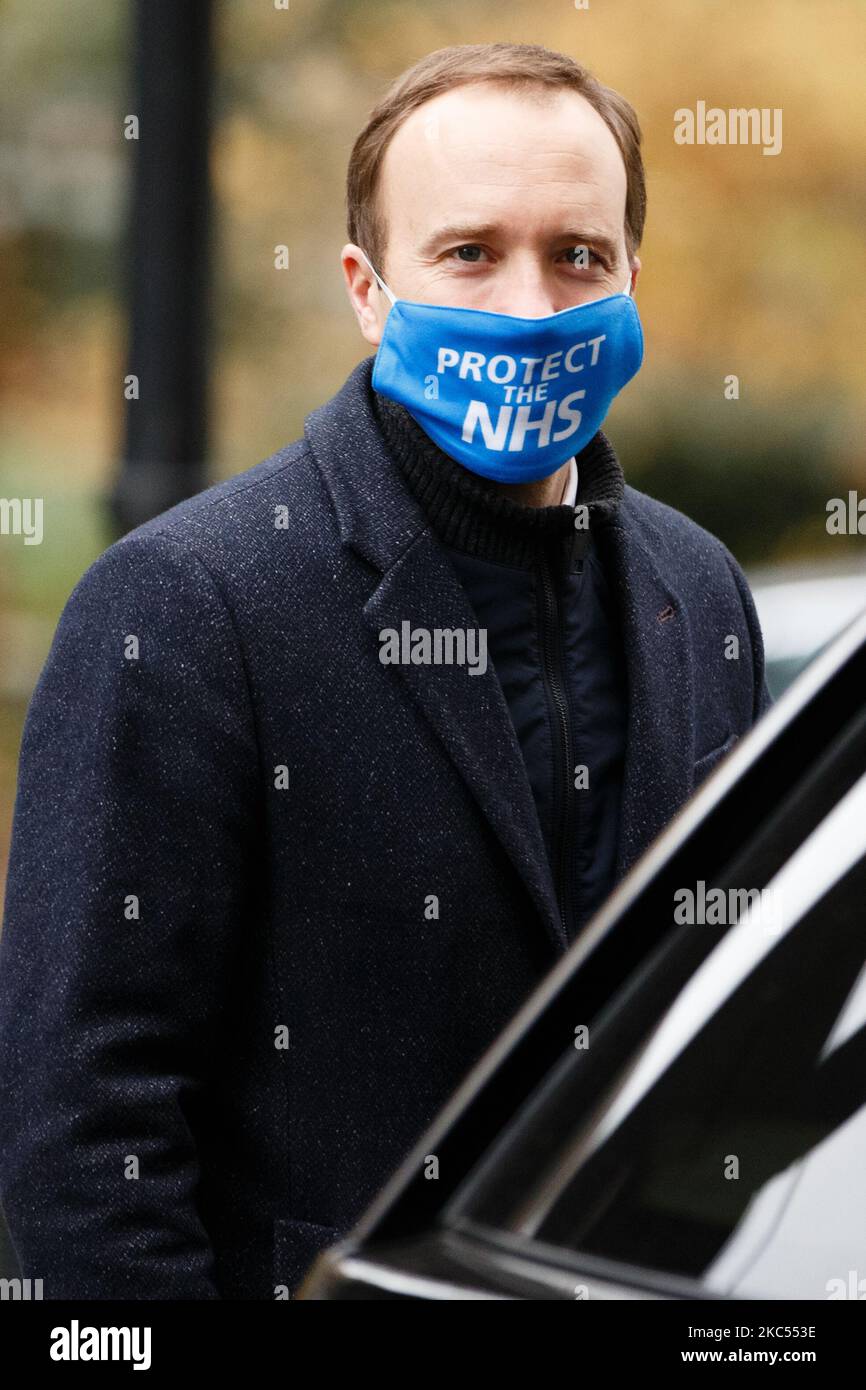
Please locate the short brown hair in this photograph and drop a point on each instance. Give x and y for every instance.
(517, 65)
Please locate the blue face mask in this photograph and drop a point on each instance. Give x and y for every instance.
(510, 398)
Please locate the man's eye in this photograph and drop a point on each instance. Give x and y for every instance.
(469, 253)
(584, 256)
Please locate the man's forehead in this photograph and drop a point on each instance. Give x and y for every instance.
(476, 144)
(490, 120)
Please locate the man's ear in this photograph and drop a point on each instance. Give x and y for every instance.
(635, 264)
(364, 294)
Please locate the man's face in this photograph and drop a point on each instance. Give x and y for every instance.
(487, 194)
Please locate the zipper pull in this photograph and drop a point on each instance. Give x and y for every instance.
(574, 548)
(580, 547)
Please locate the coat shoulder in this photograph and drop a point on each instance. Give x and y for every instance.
(227, 533)
(704, 571)
(676, 538)
(225, 513)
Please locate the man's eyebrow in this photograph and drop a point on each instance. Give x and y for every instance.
(457, 232)
(465, 233)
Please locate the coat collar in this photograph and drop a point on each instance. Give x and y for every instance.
(379, 518)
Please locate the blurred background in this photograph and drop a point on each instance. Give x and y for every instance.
(752, 265)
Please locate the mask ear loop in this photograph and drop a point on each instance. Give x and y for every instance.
(378, 276)
(627, 289)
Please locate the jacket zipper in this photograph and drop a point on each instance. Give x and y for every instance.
(563, 801)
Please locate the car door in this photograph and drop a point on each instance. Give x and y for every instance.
(679, 1108)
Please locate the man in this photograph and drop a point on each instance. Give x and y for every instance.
(328, 765)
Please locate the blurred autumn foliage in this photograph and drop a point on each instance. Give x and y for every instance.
(752, 265)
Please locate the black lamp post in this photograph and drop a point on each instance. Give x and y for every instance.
(167, 270)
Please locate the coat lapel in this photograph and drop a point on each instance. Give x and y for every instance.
(468, 713)
(659, 757)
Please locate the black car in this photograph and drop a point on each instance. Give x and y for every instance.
(678, 1110)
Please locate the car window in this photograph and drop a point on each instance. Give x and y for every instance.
(800, 615)
(782, 671)
(730, 1147)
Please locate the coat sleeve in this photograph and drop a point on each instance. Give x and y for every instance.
(762, 699)
(135, 803)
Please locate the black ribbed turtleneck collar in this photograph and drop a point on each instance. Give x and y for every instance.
(469, 512)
